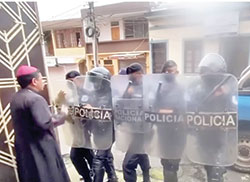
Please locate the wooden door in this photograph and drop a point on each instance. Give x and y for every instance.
(110, 68)
(115, 31)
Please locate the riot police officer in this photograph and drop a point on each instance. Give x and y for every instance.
(171, 99)
(131, 160)
(210, 95)
(101, 97)
(82, 158)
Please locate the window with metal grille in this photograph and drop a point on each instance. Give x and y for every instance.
(60, 40)
(108, 61)
(114, 23)
(136, 28)
(69, 38)
(78, 39)
(159, 55)
(192, 55)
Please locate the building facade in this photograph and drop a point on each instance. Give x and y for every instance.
(123, 35)
(20, 43)
(186, 32)
(64, 44)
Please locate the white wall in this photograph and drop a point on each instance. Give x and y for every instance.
(122, 31)
(244, 27)
(177, 36)
(211, 46)
(105, 29)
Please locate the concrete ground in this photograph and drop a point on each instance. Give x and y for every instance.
(187, 173)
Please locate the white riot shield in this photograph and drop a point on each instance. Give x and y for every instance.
(130, 128)
(63, 95)
(164, 107)
(212, 120)
(92, 113)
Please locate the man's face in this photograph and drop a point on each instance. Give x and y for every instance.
(171, 73)
(38, 82)
(136, 76)
(172, 70)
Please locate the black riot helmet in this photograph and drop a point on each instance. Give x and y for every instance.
(212, 63)
(100, 77)
(211, 67)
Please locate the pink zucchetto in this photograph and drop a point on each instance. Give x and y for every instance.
(25, 70)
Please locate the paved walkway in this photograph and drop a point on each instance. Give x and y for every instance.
(187, 173)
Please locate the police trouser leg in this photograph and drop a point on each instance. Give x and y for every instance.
(170, 169)
(109, 166)
(89, 157)
(215, 173)
(103, 161)
(129, 165)
(77, 156)
(98, 168)
(145, 166)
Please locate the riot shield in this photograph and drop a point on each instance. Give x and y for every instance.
(130, 128)
(91, 113)
(63, 96)
(164, 107)
(212, 120)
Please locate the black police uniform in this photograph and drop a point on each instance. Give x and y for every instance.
(82, 158)
(207, 99)
(220, 103)
(103, 160)
(171, 141)
(131, 159)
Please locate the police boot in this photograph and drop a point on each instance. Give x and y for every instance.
(215, 178)
(170, 176)
(146, 176)
(215, 174)
(112, 177)
(98, 170)
(87, 178)
(99, 175)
